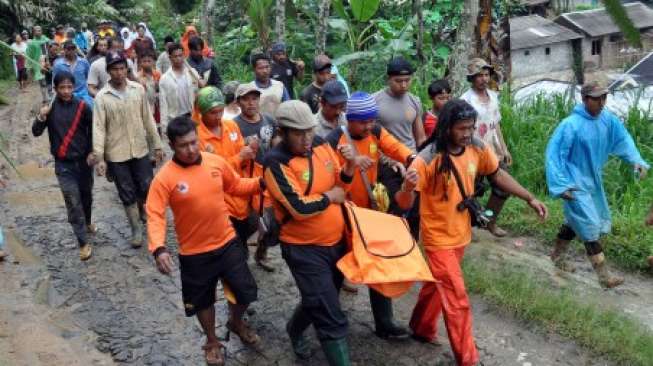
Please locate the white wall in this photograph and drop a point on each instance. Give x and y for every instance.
(538, 63)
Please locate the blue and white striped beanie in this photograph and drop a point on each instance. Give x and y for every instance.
(361, 106)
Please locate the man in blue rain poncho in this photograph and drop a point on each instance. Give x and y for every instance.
(575, 156)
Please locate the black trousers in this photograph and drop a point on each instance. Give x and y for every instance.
(319, 281)
(76, 182)
(392, 181)
(132, 179)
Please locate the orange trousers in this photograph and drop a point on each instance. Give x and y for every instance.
(447, 297)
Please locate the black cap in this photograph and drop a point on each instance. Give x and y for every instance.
(69, 44)
(399, 66)
(114, 57)
(333, 92)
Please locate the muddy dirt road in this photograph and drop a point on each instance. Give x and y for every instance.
(117, 309)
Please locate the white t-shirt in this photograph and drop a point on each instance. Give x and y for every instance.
(98, 74)
(489, 117)
(183, 92)
(19, 48)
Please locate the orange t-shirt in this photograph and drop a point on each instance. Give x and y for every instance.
(379, 141)
(228, 146)
(196, 194)
(306, 218)
(442, 225)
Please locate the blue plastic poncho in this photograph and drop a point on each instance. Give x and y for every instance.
(575, 156)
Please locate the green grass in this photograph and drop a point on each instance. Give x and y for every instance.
(603, 331)
(527, 130)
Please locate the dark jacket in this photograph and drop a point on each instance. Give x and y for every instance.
(60, 122)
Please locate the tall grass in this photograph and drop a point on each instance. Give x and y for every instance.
(516, 290)
(527, 129)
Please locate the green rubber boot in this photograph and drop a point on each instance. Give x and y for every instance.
(295, 327)
(337, 352)
(384, 323)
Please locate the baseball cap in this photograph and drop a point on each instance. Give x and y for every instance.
(333, 92)
(244, 89)
(476, 65)
(321, 62)
(295, 114)
(230, 87)
(114, 57)
(594, 89)
(399, 66)
(278, 47)
(208, 98)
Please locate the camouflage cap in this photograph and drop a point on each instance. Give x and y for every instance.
(208, 98)
(476, 65)
(295, 114)
(594, 89)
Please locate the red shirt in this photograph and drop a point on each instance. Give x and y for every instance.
(430, 122)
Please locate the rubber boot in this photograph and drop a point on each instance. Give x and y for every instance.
(559, 256)
(337, 352)
(495, 203)
(384, 319)
(295, 328)
(134, 218)
(605, 279)
(141, 212)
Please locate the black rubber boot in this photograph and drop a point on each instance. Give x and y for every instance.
(337, 352)
(384, 319)
(296, 327)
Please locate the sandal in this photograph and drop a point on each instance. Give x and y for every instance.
(246, 335)
(213, 354)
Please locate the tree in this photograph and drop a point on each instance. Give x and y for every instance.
(462, 50)
(280, 20)
(259, 17)
(207, 19)
(419, 44)
(322, 26)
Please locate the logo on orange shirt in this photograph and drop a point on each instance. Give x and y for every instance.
(306, 175)
(373, 148)
(471, 169)
(182, 187)
(233, 136)
(329, 165)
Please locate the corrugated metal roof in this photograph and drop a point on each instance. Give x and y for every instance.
(533, 31)
(598, 23)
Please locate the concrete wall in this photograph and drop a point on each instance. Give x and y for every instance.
(612, 56)
(539, 63)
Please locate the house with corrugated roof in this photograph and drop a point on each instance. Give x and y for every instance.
(603, 45)
(538, 46)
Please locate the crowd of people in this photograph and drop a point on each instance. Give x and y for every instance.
(248, 158)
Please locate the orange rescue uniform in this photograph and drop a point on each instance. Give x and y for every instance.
(379, 141)
(228, 146)
(445, 233)
(196, 194)
(307, 218)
